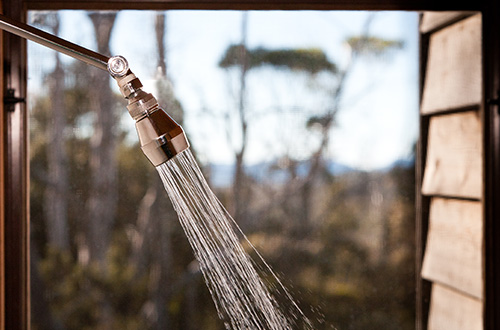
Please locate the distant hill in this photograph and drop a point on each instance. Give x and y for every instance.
(221, 175)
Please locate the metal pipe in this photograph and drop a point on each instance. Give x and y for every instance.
(49, 40)
(160, 136)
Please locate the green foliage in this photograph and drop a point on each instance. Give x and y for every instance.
(310, 60)
(371, 45)
(359, 277)
(77, 291)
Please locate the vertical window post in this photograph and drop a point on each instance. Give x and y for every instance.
(14, 181)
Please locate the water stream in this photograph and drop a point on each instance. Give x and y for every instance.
(242, 298)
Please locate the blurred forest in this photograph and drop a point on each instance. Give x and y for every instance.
(107, 251)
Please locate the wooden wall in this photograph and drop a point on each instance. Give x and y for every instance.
(452, 182)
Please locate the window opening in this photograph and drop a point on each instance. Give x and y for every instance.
(304, 123)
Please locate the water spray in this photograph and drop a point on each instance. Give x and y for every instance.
(241, 297)
(161, 138)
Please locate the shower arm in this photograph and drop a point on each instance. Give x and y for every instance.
(161, 138)
(51, 41)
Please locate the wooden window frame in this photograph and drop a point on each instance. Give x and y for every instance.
(14, 166)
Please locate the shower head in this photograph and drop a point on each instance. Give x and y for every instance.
(161, 138)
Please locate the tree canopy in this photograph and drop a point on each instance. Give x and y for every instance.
(310, 60)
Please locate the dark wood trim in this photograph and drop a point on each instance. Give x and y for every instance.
(2, 191)
(15, 185)
(491, 123)
(16, 228)
(423, 287)
(258, 4)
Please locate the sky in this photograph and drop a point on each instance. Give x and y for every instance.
(378, 121)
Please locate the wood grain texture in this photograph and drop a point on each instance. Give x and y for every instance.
(454, 71)
(433, 20)
(454, 245)
(454, 156)
(452, 310)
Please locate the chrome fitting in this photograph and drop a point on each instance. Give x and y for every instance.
(118, 66)
(161, 138)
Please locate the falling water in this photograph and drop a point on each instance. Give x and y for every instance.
(242, 299)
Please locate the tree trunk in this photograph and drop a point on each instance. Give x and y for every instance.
(56, 204)
(103, 165)
(163, 256)
(240, 198)
(152, 251)
(160, 43)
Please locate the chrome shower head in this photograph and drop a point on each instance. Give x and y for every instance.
(161, 138)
